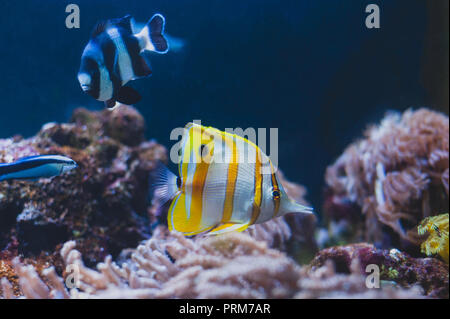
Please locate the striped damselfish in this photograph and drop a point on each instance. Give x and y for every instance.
(226, 184)
(113, 57)
(35, 167)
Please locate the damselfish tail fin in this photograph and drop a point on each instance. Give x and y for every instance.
(151, 37)
(163, 185)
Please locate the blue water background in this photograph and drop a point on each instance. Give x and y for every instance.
(310, 68)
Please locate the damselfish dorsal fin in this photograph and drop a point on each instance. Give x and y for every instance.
(99, 28)
(125, 23)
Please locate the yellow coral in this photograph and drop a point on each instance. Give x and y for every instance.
(437, 241)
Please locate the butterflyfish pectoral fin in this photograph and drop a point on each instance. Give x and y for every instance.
(226, 228)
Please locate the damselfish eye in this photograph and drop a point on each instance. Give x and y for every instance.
(276, 194)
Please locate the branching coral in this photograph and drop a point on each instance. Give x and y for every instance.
(397, 175)
(172, 266)
(437, 241)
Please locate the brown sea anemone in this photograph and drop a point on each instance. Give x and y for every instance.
(397, 175)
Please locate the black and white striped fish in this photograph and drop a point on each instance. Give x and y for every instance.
(35, 167)
(113, 57)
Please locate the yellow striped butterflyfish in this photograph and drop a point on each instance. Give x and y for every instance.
(226, 183)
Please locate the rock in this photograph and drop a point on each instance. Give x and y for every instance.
(399, 267)
(102, 204)
(126, 125)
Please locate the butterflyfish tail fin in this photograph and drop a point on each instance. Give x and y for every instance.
(151, 37)
(164, 184)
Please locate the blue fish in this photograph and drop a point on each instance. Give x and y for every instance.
(113, 57)
(35, 167)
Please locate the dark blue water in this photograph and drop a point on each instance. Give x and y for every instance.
(310, 68)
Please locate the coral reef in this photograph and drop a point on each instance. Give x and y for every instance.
(102, 206)
(88, 221)
(394, 266)
(386, 183)
(172, 266)
(437, 241)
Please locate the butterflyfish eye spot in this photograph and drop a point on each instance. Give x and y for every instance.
(276, 194)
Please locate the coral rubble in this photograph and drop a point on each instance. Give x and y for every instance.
(386, 183)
